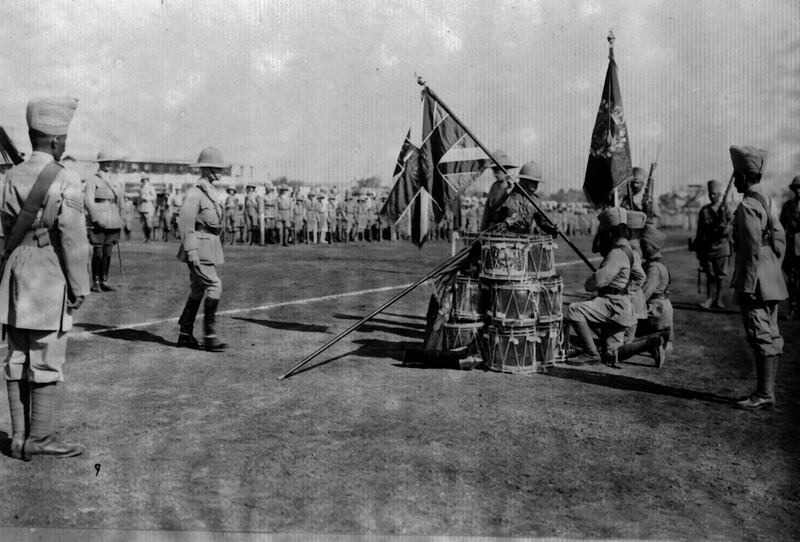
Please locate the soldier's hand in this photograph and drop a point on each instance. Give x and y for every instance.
(73, 306)
(194, 258)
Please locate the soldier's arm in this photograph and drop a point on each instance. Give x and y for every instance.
(749, 246)
(186, 221)
(610, 267)
(652, 278)
(88, 198)
(74, 246)
(638, 275)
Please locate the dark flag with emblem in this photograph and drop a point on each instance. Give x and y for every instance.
(429, 177)
(609, 163)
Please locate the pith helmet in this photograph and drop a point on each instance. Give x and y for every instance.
(104, 156)
(530, 171)
(210, 157)
(499, 157)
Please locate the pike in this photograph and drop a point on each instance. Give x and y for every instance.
(444, 266)
(647, 199)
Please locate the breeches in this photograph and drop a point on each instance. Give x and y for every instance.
(204, 280)
(35, 355)
(760, 320)
(598, 312)
(715, 267)
(103, 241)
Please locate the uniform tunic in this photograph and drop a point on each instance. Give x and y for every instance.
(199, 224)
(49, 267)
(656, 292)
(524, 218)
(284, 204)
(757, 271)
(231, 213)
(252, 209)
(147, 203)
(713, 240)
(492, 212)
(103, 201)
(790, 220)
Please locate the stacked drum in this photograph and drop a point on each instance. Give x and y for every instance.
(512, 313)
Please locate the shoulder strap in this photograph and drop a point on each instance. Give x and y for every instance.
(110, 186)
(32, 205)
(769, 233)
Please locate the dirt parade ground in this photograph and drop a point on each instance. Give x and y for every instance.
(357, 443)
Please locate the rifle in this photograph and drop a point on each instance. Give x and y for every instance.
(647, 198)
(723, 206)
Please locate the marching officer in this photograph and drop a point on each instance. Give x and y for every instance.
(757, 279)
(790, 220)
(44, 281)
(713, 243)
(103, 199)
(200, 224)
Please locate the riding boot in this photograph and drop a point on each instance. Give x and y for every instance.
(764, 396)
(97, 272)
(186, 322)
(590, 355)
(212, 344)
(104, 285)
(42, 439)
(19, 408)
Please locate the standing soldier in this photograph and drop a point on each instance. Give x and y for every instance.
(760, 243)
(164, 214)
(252, 205)
(342, 219)
(128, 211)
(351, 210)
(284, 204)
(499, 191)
(790, 220)
(299, 215)
(322, 217)
(147, 206)
(200, 224)
(231, 216)
(103, 199)
(44, 281)
(175, 204)
(713, 243)
(270, 210)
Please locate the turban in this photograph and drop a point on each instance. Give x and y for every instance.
(748, 160)
(795, 183)
(640, 173)
(51, 115)
(636, 219)
(714, 186)
(613, 216)
(653, 236)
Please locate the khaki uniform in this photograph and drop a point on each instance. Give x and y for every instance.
(713, 240)
(493, 210)
(757, 271)
(103, 201)
(35, 288)
(199, 224)
(656, 291)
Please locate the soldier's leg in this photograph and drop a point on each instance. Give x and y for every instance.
(213, 286)
(97, 266)
(46, 355)
(190, 309)
(18, 389)
(112, 238)
(760, 321)
(580, 315)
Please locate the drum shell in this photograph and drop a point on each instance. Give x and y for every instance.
(470, 300)
(514, 304)
(541, 257)
(465, 335)
(505, 258)
(551, 294)
(550, 342)
(511, 350)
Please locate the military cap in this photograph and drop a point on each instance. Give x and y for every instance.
(613, 216)
(635, 219)
(210, 157)
(530, 171)
(795, 183)
(500, 158)
(653, 236)
(714, 186)
(51, 115)
(748, 159)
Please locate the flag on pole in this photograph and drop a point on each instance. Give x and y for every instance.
(430, 176)
(8, 152)
(609, 163)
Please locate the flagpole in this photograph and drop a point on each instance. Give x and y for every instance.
(522, 190)
(463, 252)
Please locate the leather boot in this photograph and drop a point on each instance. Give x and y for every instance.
(95, 285)
(590, 355)
(764, 396)
(186, 321)
(212, 344)
(42, 439)
(104, 285)
(19, 408)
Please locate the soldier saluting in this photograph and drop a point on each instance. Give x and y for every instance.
(760, 244)
(44, 280)
(200, 224)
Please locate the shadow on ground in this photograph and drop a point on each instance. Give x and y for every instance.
(285, 326)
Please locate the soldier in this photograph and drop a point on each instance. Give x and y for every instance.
(521, 217)
(163, 212)
(44, 281)
(351, 210)
(128, 212)
(611, 311)
(175, 204)
(637, 184)
(298, 216)
(231, 216)
(636, 222)
(103, 201)
(147, 206)
(790, 220)
(200, 225)
(252, 210)
(311, 205)
(284, 205)
(342, 219)
(322, 217)
(270, 210)
(713, 243)
(499, 191)
(760, 244)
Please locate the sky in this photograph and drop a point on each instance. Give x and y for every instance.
(325, 91)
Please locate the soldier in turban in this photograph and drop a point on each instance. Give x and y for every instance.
(713, 243)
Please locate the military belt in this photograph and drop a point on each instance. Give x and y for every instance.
(214, 230)
(659, 296)
(610, 290)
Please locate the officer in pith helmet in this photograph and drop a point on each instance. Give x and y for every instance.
(500, 189)
(42, 283)
(200, 225)
(760, 243)
(521, 216)
(103, 199)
